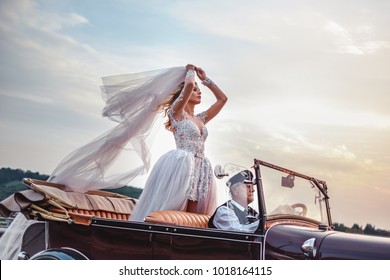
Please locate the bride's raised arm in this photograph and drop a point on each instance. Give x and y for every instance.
(218, 93)
(189, 84)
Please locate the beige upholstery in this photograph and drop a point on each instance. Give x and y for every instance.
(178, 218)
(49, 201)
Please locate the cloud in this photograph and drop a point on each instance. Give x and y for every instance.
(348, 42)
(41, 63)
(27, 14)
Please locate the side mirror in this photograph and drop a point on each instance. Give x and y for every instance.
(219, 172)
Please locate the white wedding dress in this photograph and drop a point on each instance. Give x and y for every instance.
(180, 175)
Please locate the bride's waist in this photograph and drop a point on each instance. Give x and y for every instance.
(198, 154)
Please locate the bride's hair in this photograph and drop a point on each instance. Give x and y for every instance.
(166, 105)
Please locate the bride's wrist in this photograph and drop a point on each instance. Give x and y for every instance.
(208, 82)
(190, 73)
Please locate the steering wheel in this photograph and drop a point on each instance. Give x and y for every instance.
(302, 209)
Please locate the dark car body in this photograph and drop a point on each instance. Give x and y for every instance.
(295, 235)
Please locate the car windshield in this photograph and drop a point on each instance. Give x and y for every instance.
(289, 193)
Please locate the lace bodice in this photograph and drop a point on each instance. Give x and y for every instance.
(188, 136)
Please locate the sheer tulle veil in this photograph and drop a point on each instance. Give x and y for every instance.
(131, 101)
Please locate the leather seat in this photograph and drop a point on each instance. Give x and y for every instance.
(178, 218)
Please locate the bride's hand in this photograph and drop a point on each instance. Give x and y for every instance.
(190, 67)
(201, 74)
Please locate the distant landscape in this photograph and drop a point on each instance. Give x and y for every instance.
(11, 182)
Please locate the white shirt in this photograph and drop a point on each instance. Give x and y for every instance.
(225, 218)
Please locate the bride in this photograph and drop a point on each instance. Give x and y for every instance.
(182, 179)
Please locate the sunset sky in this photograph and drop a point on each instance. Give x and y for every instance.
(308, 83)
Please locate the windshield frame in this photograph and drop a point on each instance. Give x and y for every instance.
(265, 220)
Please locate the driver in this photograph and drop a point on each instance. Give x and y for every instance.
(235, 214)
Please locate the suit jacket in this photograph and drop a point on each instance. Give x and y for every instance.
(245, 217)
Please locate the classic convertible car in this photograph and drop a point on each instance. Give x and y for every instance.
(294, 214)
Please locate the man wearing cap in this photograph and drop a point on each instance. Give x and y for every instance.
(235, 214)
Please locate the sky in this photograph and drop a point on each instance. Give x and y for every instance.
(308, 84)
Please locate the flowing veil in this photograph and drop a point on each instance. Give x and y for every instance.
(12, 239)
(131, 101)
